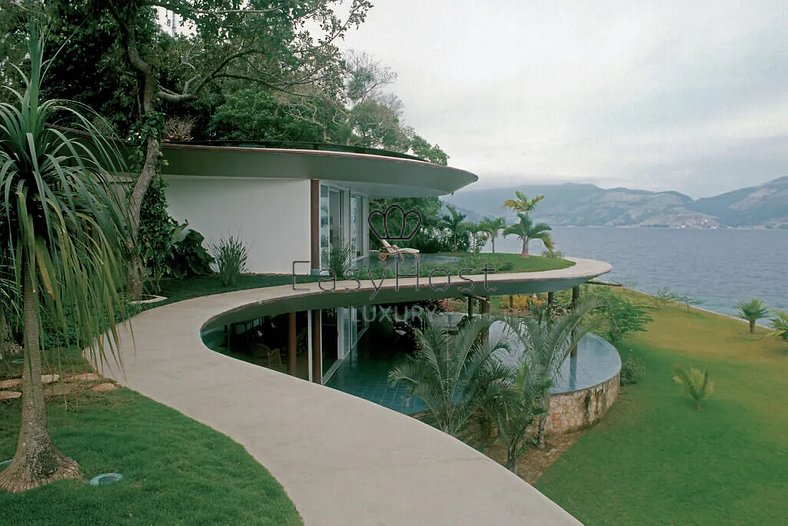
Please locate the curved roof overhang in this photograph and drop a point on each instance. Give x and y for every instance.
(370, 174)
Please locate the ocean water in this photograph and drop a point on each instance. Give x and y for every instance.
(717, 267)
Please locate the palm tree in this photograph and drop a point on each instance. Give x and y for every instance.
(62, 226)
(544, 345)
(695, 383)
(752, 311)
(454, 222)
(780, 325)
(492, 226)
(452, 374)
(522, 204)
(526, 230)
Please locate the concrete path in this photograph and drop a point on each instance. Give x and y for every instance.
(342, 460)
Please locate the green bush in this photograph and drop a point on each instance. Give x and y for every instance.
(339, 261)
(618, 316)
(188, 256)
(231, 255)
(632, 370)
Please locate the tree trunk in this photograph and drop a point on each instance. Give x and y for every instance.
(752, 326)
(524, 253)
(150, 164)
(36, 461)
(511, 459)
(492, 239)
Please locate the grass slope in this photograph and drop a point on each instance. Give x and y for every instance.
(655, 460)
(175, 470)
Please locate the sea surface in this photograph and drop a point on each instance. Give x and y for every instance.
(717, 267)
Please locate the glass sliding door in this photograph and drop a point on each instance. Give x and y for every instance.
(332, 222)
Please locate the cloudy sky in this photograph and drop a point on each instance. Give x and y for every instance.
(671, 95)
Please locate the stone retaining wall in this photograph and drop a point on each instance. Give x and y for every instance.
(579, 409)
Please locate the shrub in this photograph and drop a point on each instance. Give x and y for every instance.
(619, 316)
(695, 383)
(632, 370)
(339, 261)
(231, 255)
(553, 254)
(188, 256)
(780, 325)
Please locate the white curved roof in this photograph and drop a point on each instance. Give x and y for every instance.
(374, 175)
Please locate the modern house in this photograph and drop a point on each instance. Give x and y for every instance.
(293, 204)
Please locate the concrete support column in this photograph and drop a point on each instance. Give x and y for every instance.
(550, 303)
(292, 345)
(470, 306)
(485, 305)
(575, 299)
(314, 225)
(317, 354)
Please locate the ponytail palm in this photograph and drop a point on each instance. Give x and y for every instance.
(453, 374)
(526, 230)
(62, 228)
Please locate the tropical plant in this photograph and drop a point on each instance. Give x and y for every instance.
(545, 345)
(620, 316)
(451, 373)
(522, 205)
(64, 230)
(454, 223)
(694, 383)
(188, 256)
(752, 311)
(632, 370)
(492, 226)
(526, 230)
(230, 256)
(514, 407)
(780, 325)
(339, 261)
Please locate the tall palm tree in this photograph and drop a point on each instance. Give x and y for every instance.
(452, 374)
(62, 226)
(526, 230)
(492, 226)
(544, 345)
(522, 204)
(454, 222)
(752, 311)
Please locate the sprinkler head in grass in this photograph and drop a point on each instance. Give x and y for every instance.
(105, 479)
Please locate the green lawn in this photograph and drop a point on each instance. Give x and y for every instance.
(182, 289)
(175, 470)
(655, 460)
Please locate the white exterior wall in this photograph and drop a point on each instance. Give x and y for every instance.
(270, 215)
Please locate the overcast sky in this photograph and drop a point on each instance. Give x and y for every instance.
(671, 95)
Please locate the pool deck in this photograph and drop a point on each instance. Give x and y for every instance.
(342, 460)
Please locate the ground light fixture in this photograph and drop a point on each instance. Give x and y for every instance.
(105, 479)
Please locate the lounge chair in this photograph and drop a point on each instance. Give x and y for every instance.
(387, 249)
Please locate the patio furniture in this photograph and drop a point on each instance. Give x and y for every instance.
(387, 249)
(272, 357)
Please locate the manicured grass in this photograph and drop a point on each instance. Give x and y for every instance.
(182, 289)
(175, 470)
(505, 263)
(655, 460)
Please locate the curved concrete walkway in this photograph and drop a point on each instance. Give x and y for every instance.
(342, 460)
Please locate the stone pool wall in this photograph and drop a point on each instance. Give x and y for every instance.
(578, 409)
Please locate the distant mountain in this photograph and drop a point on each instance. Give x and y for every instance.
(589, 205)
